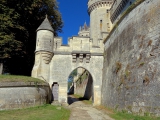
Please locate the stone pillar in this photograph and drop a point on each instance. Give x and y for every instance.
(97, 95)
(63, 97)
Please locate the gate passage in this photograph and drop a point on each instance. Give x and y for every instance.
(55, 91)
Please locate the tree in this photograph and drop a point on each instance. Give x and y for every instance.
(73, 73)
(9, 46)
(19, 20)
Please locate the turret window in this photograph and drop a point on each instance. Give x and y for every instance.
(37, 42)
(101, 24)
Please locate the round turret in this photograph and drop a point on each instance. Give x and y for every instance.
(99, 19)
(45, 37)
(93, 4)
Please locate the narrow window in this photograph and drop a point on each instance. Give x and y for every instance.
(37, 42)
(101, 24)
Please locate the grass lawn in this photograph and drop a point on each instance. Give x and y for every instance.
(45, 112)
(14, 78)
(124, 115)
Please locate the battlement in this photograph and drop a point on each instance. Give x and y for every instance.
(118, 7)
(93, 4)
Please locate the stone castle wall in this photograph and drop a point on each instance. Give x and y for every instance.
(131, 72)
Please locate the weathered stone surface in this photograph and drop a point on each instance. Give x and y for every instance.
(22, 95)
(131, 62)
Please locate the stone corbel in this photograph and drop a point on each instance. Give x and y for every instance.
(74, 58)
(88, 56)
(47, 56)
(81, 57)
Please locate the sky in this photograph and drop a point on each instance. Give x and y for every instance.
(74, 14)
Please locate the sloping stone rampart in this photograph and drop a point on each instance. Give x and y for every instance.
(131, 72)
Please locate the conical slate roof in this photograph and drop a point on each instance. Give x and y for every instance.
(45, 25)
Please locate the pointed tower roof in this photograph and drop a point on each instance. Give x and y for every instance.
(45, 25)
(85, 26)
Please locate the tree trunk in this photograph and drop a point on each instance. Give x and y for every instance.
(1, 68)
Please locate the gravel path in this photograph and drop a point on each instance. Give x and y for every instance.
(81, 111)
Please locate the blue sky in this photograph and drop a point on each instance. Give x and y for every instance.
(74, 14)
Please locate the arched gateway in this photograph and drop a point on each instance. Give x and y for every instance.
(54, 62)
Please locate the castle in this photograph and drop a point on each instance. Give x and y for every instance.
(120, 51)
(54, 62)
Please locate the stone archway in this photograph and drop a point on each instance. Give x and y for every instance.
(59, 68)
(62, 65)
(80, 82)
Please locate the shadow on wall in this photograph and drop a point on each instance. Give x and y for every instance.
(71, 90)
(84, 88)
(89, 89)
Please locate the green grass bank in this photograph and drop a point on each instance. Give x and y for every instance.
(123, 115)
(16, 78)
(45, 112)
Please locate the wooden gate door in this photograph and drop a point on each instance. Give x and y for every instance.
(55, 91)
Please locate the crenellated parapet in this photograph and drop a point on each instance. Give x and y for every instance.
(118, 7)
(93, 4)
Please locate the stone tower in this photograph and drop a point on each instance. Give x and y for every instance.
(99, 11)
(84, 30)
(44, 50)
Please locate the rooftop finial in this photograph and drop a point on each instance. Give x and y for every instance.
(80, 28)
(85, 25)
